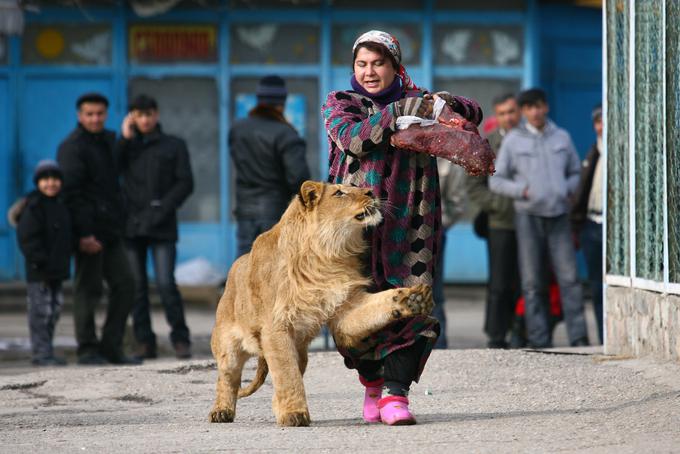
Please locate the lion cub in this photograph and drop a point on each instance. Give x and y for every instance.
(303, 273)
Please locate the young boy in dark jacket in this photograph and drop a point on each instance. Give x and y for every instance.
(44, 234)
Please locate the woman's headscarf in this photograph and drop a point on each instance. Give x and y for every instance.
(392, 45)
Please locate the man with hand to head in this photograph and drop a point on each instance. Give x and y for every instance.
(157, 179)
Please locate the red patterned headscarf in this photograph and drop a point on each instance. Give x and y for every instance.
(392, 45)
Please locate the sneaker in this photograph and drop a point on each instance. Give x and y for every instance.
(372, 394)
(497, 344)
(91, 359)
(49, 361)
(394, 411)
(182, 350)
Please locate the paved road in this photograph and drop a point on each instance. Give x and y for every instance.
(467, 401)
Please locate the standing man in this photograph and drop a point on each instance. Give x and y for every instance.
(157, 179)
(504, 285)
(586, 217)
(94, 199)
(538, 167)
(270, 162)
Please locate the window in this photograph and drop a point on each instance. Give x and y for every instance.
(618, 259)
(409, 37)
(4, 50)
(649, 188)
(66, 44)
(478, 45)
(673, 135)
(188, 109)
(273, 43)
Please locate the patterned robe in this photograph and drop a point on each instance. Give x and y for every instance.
(404, 245)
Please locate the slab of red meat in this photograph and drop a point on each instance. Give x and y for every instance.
(453, 138)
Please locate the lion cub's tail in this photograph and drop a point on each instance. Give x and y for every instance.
(260, 375)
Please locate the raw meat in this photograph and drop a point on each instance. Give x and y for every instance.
(453, 138)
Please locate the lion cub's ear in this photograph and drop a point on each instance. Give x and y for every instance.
(310, 193)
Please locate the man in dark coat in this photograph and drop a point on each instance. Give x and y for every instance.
(93, 195)
(157, 179)
(504, 284)
(270, 162)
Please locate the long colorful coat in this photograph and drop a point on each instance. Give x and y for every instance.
(404, 246)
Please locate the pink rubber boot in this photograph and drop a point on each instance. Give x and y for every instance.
(372, 395)
(394, 411)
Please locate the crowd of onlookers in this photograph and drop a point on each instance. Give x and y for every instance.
(540, 206)
(108, 201)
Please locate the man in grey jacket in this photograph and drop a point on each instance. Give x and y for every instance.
(539, 168)
(270, 162)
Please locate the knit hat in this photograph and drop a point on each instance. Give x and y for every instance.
(392, 45)
(47, 168)
(271, 90)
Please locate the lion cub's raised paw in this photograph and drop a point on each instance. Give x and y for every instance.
(221, 416)
(412, 301)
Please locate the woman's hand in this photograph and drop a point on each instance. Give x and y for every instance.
(471, 112)
(419, 107)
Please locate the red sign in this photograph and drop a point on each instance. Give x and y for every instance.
(171, 43)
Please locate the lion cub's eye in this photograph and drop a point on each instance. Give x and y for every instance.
(338, 193)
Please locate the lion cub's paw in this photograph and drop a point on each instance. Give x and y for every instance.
(294, 419)
(412, 301)
(222, 415)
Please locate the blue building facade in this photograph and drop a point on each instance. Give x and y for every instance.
(202, 60)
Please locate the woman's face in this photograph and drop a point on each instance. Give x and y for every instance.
(373, 71)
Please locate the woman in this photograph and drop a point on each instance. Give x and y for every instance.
(404, 247)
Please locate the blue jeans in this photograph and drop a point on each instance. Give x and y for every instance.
(248, 229)
(591, 240)
(438, 296)
(539, 238)
(164, 255)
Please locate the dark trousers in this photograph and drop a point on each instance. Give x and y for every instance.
(110, 265)
(399, 367)
(438, 294)
(45, 301)
(504, 284)
(248, 229)
(164, 255)
(591, 240)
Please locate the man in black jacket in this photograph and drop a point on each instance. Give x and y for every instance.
(93, 195)
(157, 179)
(270, 162)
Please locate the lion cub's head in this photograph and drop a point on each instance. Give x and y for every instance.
(340, 203)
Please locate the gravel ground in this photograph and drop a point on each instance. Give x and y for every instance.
(467, 401)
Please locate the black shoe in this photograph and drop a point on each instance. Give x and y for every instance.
(49, 361)
(123, 360)
(182, 350)
(146, 351)
(497, 344)
(582, 342)
(91, 359)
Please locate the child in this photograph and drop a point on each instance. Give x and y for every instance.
(44, 234)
